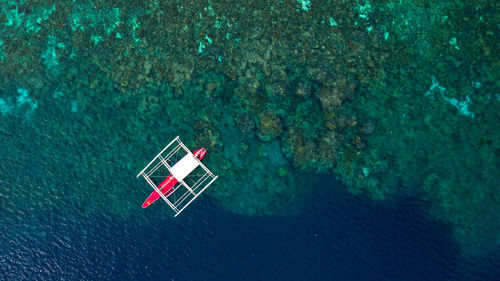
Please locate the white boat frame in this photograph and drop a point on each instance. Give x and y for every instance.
(180, 170)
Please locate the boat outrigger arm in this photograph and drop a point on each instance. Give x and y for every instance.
(192, 177)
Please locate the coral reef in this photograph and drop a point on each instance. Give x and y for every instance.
(269, 126)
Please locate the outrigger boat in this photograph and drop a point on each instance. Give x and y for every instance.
(187, 178)
(167, 185)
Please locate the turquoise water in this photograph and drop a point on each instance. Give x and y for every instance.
(385, 108)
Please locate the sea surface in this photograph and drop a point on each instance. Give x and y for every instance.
(336, 236)
(353, 139)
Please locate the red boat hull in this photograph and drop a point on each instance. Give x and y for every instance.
(165, 187)
(167, 184)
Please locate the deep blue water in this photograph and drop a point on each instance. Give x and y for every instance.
(336, 236)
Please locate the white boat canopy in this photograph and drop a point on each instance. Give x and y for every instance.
(192, 176)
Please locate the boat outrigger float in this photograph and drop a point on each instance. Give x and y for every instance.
(187, 177)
